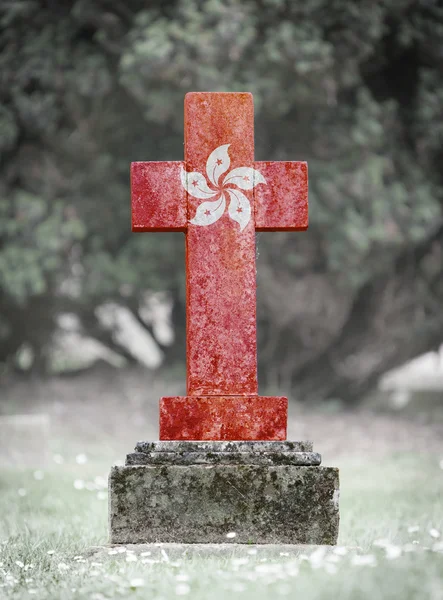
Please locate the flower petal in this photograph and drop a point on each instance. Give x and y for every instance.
(218, 163)
(244, 177)
(239, 208)
(209, 212)
(195, 184)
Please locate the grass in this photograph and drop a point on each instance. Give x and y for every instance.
(49, 520)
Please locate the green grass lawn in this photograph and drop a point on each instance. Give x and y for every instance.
(392, 509)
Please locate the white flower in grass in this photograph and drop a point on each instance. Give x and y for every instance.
(245, 178)
(333, 558)
(131, 558)
(413, 528)
(182, 589)
(317, 557)
(165, 557)
(137, 583)
(364, 560)
(393, 552)
(238, 562)
(434, 533)
(149, 561)
(38, 475)
(100, 482)
(231, 535)
(81, 459)
(330, 568)
(381, 543)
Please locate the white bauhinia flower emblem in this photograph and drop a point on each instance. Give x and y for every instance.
(210, 211)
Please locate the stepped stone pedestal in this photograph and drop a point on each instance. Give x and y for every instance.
(199, 492)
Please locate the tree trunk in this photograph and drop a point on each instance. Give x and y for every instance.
(394, 317)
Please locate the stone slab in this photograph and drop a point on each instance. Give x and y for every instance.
(282, 204)
(223, 417)
(228, 446)
(212, 458)
(203, 504)
(156, 206)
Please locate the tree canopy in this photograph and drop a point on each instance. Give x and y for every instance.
(356, 89)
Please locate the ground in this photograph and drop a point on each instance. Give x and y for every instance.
(50, 517)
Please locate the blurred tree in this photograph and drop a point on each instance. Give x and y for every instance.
(354, 88)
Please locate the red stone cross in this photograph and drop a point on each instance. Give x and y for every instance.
(219, 196)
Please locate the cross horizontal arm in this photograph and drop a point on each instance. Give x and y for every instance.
(282, 204)
(158, 198)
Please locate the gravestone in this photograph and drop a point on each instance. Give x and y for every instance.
(24, 440)
(222, 470)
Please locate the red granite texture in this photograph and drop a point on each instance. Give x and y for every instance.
(220, 259)
(157, 196)
(223, 418)
(222, 401)
(282, 204)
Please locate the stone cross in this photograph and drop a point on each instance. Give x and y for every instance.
(219, 197)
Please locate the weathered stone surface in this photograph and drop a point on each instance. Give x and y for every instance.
(156, 206)
(282, 204)
(223, 418)
(212, 458)
(220, 446)
(202, 504)
(220, 196)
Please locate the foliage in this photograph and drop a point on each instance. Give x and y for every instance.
(355, 89)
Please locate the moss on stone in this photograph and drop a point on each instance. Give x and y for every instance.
(262, 504)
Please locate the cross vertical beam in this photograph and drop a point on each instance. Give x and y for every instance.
(220, 264)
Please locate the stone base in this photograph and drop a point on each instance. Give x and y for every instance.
(261, 501)
(223, 418)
